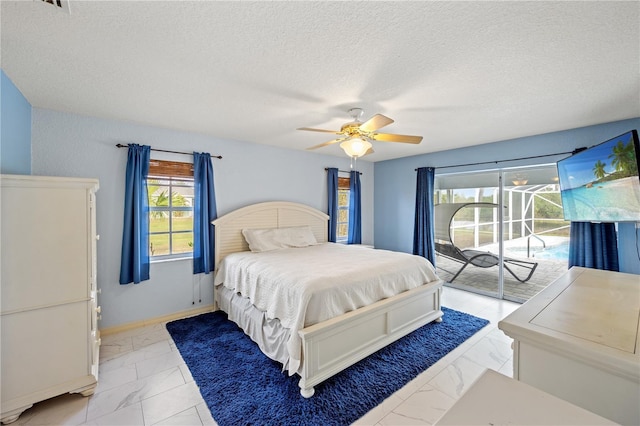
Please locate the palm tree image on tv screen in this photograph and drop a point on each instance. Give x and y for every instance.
(601, 184)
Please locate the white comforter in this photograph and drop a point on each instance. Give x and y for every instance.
(304, 286)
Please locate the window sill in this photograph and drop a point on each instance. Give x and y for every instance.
(170, 259)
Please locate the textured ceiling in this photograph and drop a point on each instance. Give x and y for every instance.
(457, 73)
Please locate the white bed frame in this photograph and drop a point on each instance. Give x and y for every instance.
(333, 345)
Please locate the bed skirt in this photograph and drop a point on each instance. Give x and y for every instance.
(270, 336)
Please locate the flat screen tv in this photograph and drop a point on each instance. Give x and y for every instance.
(601, 183)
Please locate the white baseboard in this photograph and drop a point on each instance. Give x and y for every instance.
(157, 320)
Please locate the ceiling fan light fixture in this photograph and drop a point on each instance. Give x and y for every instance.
(355, 137)
(356, 146)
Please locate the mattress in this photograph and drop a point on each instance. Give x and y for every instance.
(303, 286)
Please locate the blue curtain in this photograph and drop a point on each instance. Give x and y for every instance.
(204, 211)
(355, 225)
(593, 245)
(134, 263)
(423, 229)
(332, 193)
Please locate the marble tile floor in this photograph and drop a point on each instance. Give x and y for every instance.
(144, 381)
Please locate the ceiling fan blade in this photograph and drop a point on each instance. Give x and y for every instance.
(319, 130)
(376, 122)
(388, 137)
(328, 143)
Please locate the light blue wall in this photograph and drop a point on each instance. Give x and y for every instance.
(394, 193)
(66, 144)
(15, 129)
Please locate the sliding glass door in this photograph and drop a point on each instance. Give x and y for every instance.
(466, 225)
(500, 233)
(535, 234)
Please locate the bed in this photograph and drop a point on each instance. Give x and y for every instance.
(312, 342)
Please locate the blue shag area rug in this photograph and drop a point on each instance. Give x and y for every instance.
(242, 386)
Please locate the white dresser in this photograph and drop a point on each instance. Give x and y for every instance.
(49, 310)
(578, 340)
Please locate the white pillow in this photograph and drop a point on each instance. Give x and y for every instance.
(260, 240)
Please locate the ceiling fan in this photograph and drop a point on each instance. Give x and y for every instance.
(355, 135)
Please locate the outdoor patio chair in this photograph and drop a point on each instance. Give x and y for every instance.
(445, 246)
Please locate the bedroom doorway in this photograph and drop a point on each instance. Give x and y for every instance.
(500, 233)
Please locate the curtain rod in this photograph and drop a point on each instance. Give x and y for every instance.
(120, 145)
(575, 151)
(342, 171)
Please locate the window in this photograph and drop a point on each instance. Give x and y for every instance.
(170, 188)
(342, 233)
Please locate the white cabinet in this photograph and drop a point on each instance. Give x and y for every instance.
(578, 339)
(49, 310)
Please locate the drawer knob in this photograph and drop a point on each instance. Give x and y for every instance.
(99, 309)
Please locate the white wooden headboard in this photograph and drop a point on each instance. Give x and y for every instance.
(272, 214)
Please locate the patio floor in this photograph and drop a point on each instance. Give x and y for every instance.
(485, 280)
